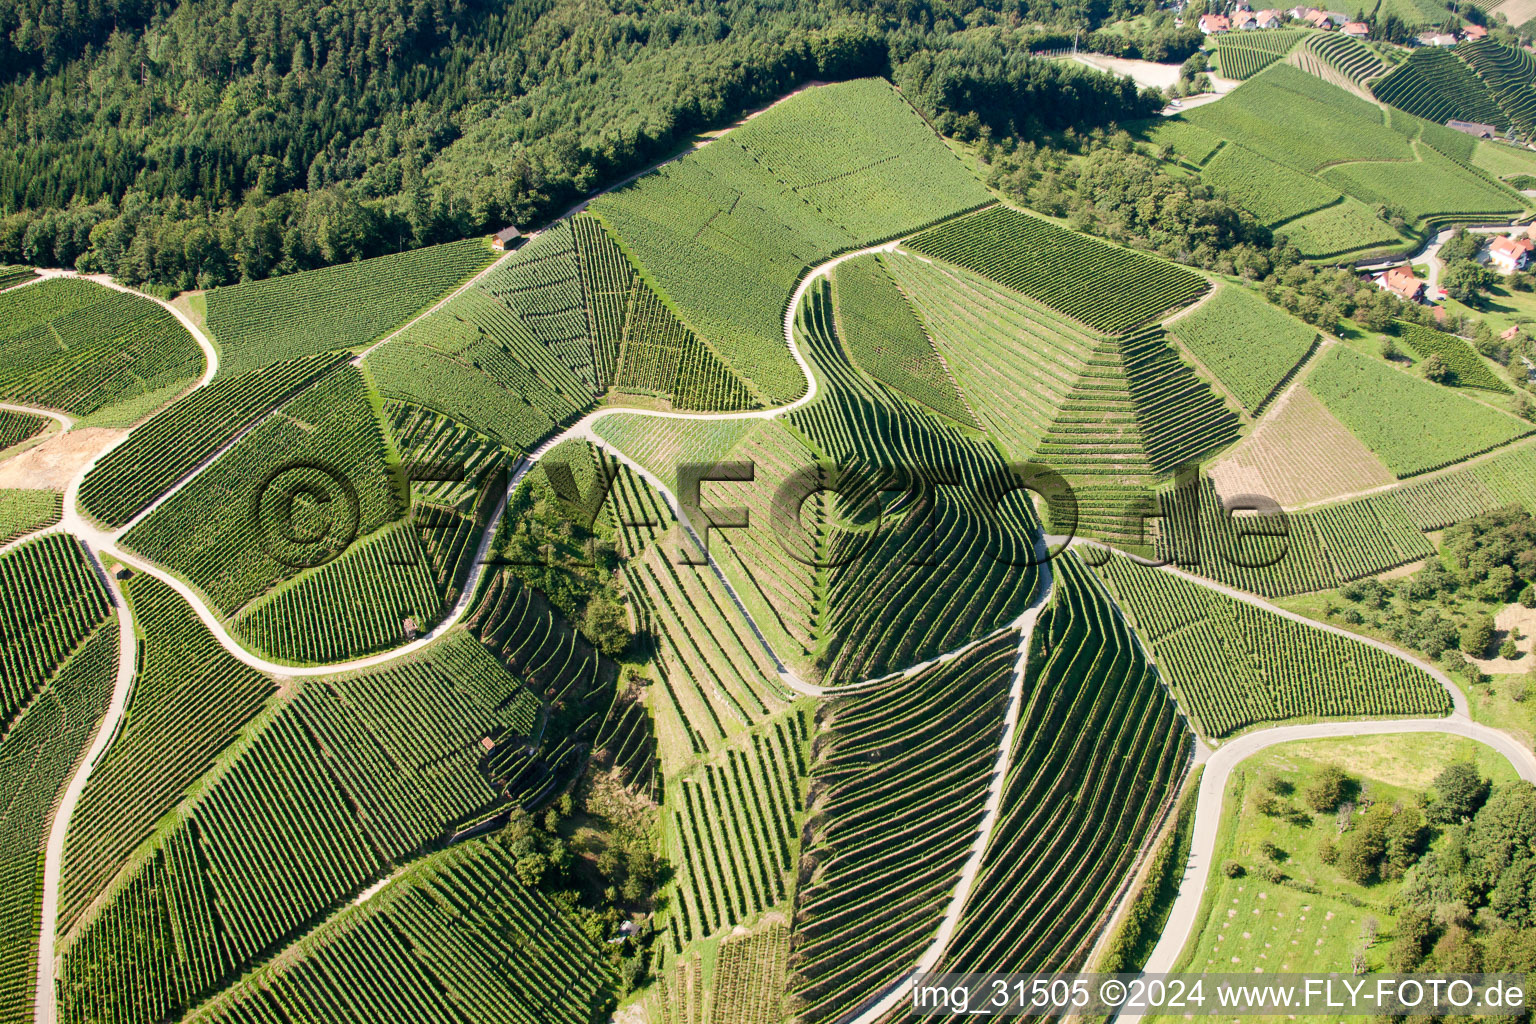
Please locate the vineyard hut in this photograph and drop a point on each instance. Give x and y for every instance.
(1269, 18)
(1356, 29)
(1215, 24)
(1511, 334)
(1510, 254)
(1482, 131)
(506, 238)
(1401, 281)
(408, 627)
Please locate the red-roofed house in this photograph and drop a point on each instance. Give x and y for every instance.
(1319, 19)
(1269, 18)
(1214, 24)
(1401, 282)
(1244, 21)
(1358, 29)
(1510, 254)
(1474, 32)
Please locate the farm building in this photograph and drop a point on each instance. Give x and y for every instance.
(505, 238)
(1401, 282)
(1356, 29)
(1472, 33)
(1510, 254)
(1436, 39)
(1482, 131)
(1215, 24)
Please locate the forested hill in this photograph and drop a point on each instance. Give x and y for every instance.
(196, 143)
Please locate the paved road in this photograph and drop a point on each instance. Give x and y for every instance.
(1213, 784)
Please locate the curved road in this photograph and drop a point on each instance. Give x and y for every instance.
(100, 542)
(1213, 785)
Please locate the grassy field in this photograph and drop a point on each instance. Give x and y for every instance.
(1251, 924)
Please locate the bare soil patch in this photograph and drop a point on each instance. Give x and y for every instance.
(51, 465)
(1513, 616)
(1299, 453)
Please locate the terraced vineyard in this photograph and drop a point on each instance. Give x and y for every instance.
(1509, 75)
(1346, 56)
(1097, 756)
(1078, 275)
(72, 345)
(1233, 665)
(1433, 84)
(1469, 369)
(903, 770)
(341, 307)
(1271, 192)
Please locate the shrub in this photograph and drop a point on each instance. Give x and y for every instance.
(1326, 790)
(1508, 649)
(1459, 791)
(1476, 635)
(1232, 869)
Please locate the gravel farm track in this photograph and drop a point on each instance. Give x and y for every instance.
(103, 544)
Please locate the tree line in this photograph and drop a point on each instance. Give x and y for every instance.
(202, 143)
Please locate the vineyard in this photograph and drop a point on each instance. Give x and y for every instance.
(130, 476)
(1469, 369)
(1244, 54)
(341, 307)
(1180, 417)
(1433, 84)
(50, 601)
(726, 231)
(734, 832)
(1251, 346)
(39, 752)
(1014, 358)
(1098, 754)
(278, 835)
(13, 274)
(886, 341)
(189, 700)
(1103, 286)
(1346, 229)
(16, 427)
(1435, 190)
(1509, 75)
(901, 774)
(72, 345)
(459, 937)
(1271, 192)
(1413, 425)
(329, 438)
(749, 976)
(896, 597)
(24, 511)
(1349, 57)
(1233, 665)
